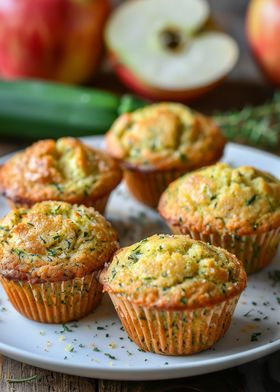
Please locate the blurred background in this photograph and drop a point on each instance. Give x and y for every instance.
(216, 56)
(245, 84)
(230, 16)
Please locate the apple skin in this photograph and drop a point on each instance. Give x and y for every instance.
(51, 39)
(263, 32)
(154, 93)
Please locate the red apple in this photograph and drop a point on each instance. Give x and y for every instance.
(52, 39)
(160, 50)
(263, 32)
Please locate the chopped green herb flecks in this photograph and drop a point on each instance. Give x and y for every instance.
(65, 329)
(69, 348)
(274, 276)
(251, 200)
(183, 157)
(135, 255)
(58, 187)
(255, 336)
(110, 356)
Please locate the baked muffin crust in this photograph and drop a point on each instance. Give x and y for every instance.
(165, 136)
(240, 200)
(65, 170)
(54, 241)
(174, 272)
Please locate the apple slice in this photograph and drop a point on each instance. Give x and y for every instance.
(160, 50)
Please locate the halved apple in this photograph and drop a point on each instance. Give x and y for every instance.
(161, 50)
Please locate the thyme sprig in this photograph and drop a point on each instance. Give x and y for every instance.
(21, 380)
(255, 125)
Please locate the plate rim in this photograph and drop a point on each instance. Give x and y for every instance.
(134, 374)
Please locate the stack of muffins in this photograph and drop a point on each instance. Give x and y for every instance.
(174, 294)
(55, 243)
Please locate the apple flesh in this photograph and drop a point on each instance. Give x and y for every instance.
(170, 56)
(148, 91)
(51, 39)
(263, 32)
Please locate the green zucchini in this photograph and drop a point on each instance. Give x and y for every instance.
(35, 109)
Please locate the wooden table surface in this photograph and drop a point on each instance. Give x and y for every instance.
(245, 85)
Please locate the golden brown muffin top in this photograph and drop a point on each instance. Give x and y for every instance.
(65, 169)
(54, 241)
(174, 272)
(240, 200)
(164, 136)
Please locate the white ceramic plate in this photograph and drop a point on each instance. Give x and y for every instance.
(98, 347)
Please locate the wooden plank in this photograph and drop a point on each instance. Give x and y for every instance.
(46, 381)
(117, 386)
(225, 381)
(1, 366)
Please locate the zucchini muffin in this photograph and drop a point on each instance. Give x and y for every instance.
(235, 208)
(63, 170)
(50, 259)
(174, 295)
(159, 143)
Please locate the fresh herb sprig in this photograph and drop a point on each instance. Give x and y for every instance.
(21, 380)
(258, 125)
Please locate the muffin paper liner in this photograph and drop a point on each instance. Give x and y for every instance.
(97, 204)
(13, 204)
(55, 302)
(147, 187)
(180, 332)
(255, 251)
